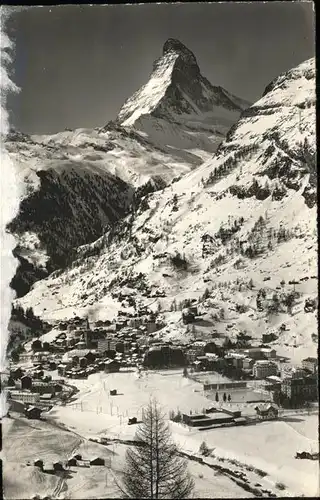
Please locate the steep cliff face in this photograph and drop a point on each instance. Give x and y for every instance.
(178, 106)
(66, 203)
(238, 233)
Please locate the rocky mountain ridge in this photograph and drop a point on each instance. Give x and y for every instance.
(178, 106)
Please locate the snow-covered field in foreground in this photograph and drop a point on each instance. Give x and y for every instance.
(269, 446)
(27, 441)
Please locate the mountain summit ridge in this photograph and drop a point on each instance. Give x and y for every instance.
(176, 71)
(174, 45)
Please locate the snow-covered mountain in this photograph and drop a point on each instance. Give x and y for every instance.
(238, 235)
(80, 180)
(179, 107)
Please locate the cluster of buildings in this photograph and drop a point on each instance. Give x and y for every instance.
(74, 461)
(257, 362)
(220, 417)
(302, 383)
(260, 363)
(297, 386)
(80, 349)
(31, 392)
(213, 417)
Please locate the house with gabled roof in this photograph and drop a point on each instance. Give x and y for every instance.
(267, 411)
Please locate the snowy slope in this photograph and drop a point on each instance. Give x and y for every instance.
(243, 221)
(126, 154)
(178, 106)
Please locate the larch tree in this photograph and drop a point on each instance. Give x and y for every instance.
(153, 467)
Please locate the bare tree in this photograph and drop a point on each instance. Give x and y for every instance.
(153, 468)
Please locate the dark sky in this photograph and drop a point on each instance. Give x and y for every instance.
(76, 65)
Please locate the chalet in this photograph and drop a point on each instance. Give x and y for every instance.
(33, 412)
(268, 352)
(26, 382)
(37, 345)
(197, 349)
(83, 362)
(16, 374)
(132, 421)
(268, 337)
(72, 462)
(62, 369)
(46, 346)
(75, 360)
(48, 468)
(58, 466)
(97, 461)
(188, 316)
(267, 411)
(90, 356)
(112, 366)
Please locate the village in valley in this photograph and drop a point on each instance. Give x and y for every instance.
(243, 371)
(105, 371)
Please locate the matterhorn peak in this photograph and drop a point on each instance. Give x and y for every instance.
(177, 95)
(174, 45)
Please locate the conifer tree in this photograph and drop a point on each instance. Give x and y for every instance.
(153, 468)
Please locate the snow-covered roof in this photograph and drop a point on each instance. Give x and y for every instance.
(274, 378)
